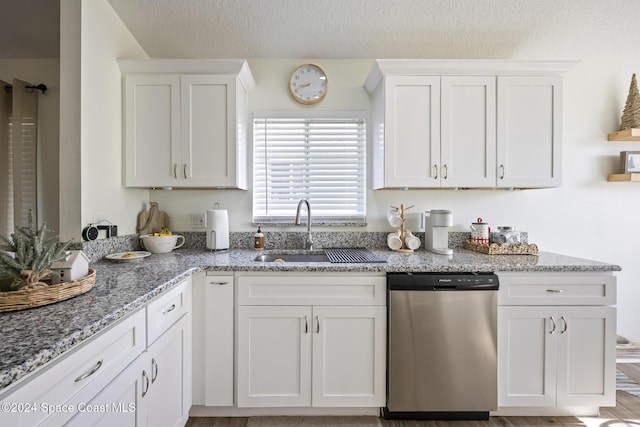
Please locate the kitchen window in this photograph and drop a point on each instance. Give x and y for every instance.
(320, 158)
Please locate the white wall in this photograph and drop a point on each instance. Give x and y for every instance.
(92, 38)
(45, 71)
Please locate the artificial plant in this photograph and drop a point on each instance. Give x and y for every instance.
(26, 258)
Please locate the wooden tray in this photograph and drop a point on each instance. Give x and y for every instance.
(23, 299)
(502, 249)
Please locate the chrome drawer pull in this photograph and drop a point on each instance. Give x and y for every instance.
(564, 321)
(446, 171)
(219, 283)
(154, 370)
(306, 325)
(435, 167)
(175, 168)
(89, 372)
(184, 171)
(170, 309)
(555, 291)
(553, 321)
(502, 169)
(317, 325)
(146, 383)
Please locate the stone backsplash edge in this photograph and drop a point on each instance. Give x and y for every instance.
(274, 240)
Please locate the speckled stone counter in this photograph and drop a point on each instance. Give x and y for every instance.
(31, 338)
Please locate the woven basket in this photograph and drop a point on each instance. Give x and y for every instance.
(23, 299)
(502, 249)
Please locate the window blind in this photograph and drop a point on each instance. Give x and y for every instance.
(322, 160)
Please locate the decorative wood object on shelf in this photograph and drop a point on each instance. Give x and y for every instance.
(624, 177)
(632, 134)
(502, 249)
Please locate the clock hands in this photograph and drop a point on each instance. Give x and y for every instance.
(305, 84)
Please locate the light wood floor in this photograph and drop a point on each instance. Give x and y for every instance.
(626, 413)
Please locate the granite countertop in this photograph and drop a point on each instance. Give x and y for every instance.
(31, 338)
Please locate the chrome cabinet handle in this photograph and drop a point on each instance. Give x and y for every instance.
(317, 325)
(553, 321)
(169, 310)
(154, 370)
(146, 383)
(184, 171)
(445, 170)
(90, 372)
(555, 291)
(175, 170)
(306, 325)
(435, 168)
(564, 321)
(502, 170)
(219, 283)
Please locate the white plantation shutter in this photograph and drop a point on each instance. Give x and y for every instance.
(321, 159)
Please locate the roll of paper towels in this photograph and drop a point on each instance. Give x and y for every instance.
(217, 229)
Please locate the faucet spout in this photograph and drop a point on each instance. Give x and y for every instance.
(309, 242)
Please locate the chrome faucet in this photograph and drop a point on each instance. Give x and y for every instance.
(309, 242)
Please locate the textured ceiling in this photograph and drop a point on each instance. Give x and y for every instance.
(530, 29)
(374, 28)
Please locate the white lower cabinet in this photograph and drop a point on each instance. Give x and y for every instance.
(556, 355)
(311, 354)
(136, 373)
(213, 339)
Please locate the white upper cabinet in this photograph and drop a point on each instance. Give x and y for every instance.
(185, 123)
(469, 124)
(529, 131)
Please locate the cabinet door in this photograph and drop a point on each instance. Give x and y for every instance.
(412, 131)
(218, 339)
(152, 130)
(208, 130)
(349, 362)
(120, 403)
(527, 356)
(468, 134)
(586, 356)
(274, 356)
(169, 372)
(529, 131)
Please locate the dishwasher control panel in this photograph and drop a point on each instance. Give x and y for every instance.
(442, 281)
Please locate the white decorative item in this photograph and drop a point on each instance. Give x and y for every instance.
(74, 267)
(394, 241)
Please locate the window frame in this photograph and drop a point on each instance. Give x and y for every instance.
(359, 219)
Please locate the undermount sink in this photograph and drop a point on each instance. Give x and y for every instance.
(292, 258)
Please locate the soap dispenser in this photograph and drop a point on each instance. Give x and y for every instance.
(258, 240)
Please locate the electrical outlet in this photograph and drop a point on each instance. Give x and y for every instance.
(198, 221)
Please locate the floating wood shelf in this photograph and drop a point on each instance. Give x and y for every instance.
(621, 177)
(632, 134)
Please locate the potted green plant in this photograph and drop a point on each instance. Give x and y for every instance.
(26, 257)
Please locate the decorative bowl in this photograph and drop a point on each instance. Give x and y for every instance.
(161, 244)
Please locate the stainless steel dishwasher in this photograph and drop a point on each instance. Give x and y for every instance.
(442, 345)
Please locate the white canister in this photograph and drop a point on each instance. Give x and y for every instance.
(217, 229)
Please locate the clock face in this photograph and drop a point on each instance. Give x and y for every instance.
(308, 84)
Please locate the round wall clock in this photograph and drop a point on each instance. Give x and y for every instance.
(308, 84)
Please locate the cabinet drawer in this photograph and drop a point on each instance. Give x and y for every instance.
(167, 309)
(556, 289)
(311, 288)
(83, 373)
